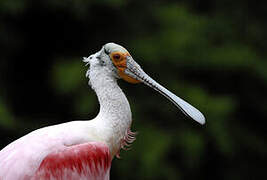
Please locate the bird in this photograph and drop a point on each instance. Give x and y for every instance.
(84, 149)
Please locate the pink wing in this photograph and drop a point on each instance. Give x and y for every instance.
(84, 161)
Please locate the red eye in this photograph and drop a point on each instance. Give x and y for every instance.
(116, 56)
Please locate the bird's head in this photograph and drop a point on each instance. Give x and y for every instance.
(115, 58)
(118, 61)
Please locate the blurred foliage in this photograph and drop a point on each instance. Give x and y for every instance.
(66, 76)
(211, 53)
(6, 119)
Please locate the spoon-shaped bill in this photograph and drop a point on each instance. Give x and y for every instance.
(135, 71)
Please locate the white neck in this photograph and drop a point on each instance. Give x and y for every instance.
(115, 114)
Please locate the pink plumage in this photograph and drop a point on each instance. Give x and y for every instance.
(38, 156)
(84, 161)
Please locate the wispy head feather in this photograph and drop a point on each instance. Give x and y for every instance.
(86, 60)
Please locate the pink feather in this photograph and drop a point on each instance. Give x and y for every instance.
(36, 156)
(84, 161)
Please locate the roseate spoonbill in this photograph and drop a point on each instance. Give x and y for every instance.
(85, 149)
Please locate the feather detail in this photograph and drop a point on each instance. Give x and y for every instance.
(126, 141)
(84, 161)
(86, 60)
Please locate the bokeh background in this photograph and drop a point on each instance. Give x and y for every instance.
(211, 53)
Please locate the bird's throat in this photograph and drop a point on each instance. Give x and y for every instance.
(115, 114)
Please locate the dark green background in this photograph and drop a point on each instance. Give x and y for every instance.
(211, 53)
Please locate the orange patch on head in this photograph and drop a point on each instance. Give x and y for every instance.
(119, 60)
(128, 78)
